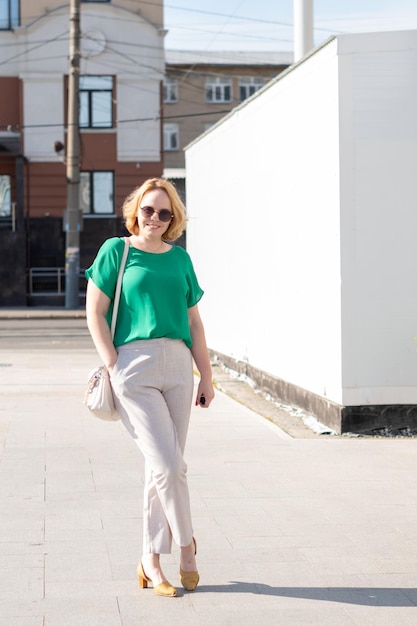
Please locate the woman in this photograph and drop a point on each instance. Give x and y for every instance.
(158, 334)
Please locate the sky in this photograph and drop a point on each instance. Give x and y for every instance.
(268, 24)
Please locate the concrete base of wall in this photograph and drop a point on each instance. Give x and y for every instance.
(368, 418)
(341, 419)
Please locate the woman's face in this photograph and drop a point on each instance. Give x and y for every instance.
(153, 225)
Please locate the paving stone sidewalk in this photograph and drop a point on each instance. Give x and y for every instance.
(290, 531)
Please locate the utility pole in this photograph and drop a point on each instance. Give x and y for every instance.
(72, 214)
(303, 28)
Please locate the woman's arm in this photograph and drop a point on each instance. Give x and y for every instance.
(201, 357)
(97, 305)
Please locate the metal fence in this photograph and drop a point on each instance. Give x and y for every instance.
(49, 280)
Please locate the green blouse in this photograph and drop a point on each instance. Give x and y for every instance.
(157, 291)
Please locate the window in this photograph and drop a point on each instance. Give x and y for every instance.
(170, 90)
(248, 86)
(9, 14)
(96, 101)
(5, 197)
(97, 193)
(218, 89)
(171, 137)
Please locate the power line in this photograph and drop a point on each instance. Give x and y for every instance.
(238, 17)
(47, 41)
(252, 20)
(149, 46)
(134, 61)
(197, 88)
(184, 68)
(154, 118)
(167, 6)
(217, 14)
(237, 35)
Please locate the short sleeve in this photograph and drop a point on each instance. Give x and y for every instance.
(103, 272)
(194, 293)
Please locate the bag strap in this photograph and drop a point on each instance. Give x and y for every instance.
(119, 287)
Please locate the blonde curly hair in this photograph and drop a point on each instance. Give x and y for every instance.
(132, 203)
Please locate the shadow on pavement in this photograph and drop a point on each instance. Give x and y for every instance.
(366, 596)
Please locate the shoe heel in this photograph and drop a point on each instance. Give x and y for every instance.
(143, 581)
(163, 589)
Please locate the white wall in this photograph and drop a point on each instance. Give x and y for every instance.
(378, 205)
(138, 102)
(302, 218)
(43, 106)
(263, 198)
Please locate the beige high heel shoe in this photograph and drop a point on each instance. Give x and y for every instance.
(163, 589)
(189, 580)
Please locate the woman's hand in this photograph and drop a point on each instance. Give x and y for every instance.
(205, 394)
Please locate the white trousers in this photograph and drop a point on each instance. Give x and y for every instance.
(153, 387)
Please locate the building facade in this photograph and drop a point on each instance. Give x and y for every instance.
(121, 74)
(201, 87)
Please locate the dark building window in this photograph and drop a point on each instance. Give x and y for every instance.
(170, 90)
(9, 14)
(171, 137)
(218, 89)
(96, 101)
(97, 193)
(250, 85)
(5, 197)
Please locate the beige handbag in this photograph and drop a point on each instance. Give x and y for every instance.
(98, 396)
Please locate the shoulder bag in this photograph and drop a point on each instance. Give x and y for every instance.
(98, 396)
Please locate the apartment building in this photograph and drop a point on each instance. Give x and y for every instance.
(202, 87)
(121, 74)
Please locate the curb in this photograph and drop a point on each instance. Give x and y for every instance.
(38, 314)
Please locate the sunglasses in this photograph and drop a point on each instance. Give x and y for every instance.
(164, 215)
